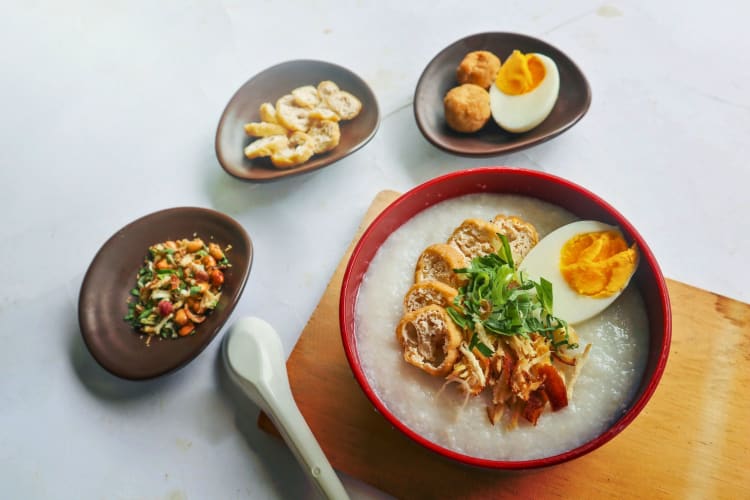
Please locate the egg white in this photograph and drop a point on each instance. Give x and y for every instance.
(520, 113)
(544, 261)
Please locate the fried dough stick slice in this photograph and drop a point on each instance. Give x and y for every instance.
(438, 262)
(429, 339)
(475, 237)
(522, 236)
(427, 293)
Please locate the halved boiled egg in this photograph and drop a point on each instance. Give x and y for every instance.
(588, 263)
(524, 92)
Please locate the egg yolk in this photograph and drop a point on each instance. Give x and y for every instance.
(520, 74)
(597, 264)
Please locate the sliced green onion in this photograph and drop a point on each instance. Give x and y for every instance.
(502, 300)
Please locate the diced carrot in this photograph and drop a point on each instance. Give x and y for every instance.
(186, 329)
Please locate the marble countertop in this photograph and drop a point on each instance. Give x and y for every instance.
(109, 112)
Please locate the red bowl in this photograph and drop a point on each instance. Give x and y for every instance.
(576, 199)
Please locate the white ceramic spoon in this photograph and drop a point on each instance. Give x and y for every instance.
(254, 358)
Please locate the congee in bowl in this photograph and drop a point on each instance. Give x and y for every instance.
(454, 323)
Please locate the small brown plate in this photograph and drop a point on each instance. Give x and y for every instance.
(103, 300)
(440, 76)
(269, 86)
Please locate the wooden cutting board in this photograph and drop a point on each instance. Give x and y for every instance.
(691, 441)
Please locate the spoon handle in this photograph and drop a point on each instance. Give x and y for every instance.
(254, 356)
(302, 442)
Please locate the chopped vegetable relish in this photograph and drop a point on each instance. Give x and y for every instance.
(177, 286)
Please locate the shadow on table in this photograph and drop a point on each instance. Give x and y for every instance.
(280, 467)
(235, 196)
(100, 382)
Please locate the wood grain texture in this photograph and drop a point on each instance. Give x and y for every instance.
(691, 441)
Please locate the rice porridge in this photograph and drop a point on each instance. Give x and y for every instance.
(607, 382)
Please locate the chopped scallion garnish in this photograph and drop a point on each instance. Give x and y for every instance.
(501, 300)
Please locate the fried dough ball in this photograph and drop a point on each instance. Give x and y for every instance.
(479, 67)
(467, 107)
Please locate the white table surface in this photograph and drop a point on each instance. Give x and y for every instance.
(108, 112)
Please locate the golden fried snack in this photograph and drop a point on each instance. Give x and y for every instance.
(326, 135)
(322, 112)
(479, 67)
(522, 235)
(310, 114)
(344, 104)
(264, 129)
(426, 293)
(268, 113)
(292, 116)
(475, 237)
(327, 88)
(306, 96)
(437, 263)
(430, 339)
(300, 147)
(467, 107)
(266, 146)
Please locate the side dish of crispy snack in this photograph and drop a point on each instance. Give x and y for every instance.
(301, 124)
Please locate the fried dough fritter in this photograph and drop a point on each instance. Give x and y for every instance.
(467, 108)
(479, 67)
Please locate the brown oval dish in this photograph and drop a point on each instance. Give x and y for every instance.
(270, 85)
(440, 76)
(103, 300)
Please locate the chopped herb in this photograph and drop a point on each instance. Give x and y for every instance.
(475, 342)
(145, 313)
(501, 300)
(162, 292)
